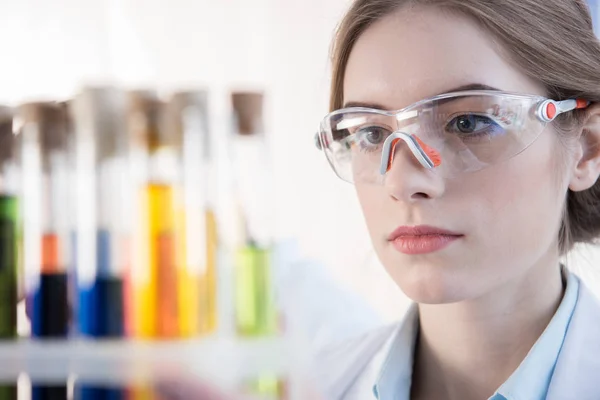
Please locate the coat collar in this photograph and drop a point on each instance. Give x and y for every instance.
(344, 370)
(577, 371)
(529, 381)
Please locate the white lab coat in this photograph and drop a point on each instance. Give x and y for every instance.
(348, 371)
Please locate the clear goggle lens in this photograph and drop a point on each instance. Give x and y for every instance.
(450, 134)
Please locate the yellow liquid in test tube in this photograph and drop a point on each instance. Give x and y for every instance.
(208, 287)
(196, 294)
(174, 301)
(188, 283)
(197, 291)
(155, 301)
(254, 302)
(140, 393)
(155, 298)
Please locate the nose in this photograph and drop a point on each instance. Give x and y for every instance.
(410, 171)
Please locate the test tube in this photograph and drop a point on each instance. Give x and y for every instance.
(9, 186)
(187, 119)
(102, 223)
(255, 309)
(254, 300)
(156, 175)
(156, 180)
(44, 161)
(72, 295)
(102, 213)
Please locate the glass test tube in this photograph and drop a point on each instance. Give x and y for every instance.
(256, 314)
(156, 180)
(143, 125)
(158, 238)
(9, 186)
(43, 152)
(102, 223)
(255, 306)
(187, 120)
(72, 295)
(102, 229)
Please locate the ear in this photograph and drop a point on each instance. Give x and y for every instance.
(587, 165)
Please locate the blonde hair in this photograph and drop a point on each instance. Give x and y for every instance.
(551, 41)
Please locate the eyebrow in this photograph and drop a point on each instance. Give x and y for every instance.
(470, 86)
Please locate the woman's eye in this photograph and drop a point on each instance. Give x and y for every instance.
(472, 124)
(372, 135)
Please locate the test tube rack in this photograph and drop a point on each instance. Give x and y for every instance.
(223, 362)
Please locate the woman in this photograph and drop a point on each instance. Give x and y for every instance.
(471, 132)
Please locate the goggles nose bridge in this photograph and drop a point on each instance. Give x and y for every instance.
(428, 157)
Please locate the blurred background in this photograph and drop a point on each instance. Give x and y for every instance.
(278, 46)
(51, 48)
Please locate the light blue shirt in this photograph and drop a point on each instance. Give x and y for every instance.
(531, 379)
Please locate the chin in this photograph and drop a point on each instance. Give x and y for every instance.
(430, 283)
(425, 295)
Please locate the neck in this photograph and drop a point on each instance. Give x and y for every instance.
(466, 350)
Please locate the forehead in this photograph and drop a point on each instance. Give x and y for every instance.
(421, 52)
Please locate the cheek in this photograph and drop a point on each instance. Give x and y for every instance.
(523, 197)
(373, 202)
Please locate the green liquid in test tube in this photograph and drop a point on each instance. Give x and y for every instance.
(8, 240)
(8, 266)
(8, 228)
(8, 279)
(255, 305)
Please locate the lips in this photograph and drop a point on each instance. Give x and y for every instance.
(422, 239)
(421, 230)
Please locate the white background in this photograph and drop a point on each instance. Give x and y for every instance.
(51, 47)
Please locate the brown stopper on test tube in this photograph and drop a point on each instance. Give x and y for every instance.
(51, 122)
(6, 134)
(248, 111)
(99, 112)
(144, 118)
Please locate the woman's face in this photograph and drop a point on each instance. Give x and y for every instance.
(508, 214)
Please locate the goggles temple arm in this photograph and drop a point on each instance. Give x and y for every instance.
(548, 110)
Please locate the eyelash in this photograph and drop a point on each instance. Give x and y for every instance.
(492, 126)
(364, 131)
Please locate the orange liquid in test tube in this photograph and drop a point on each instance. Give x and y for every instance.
(50, 256)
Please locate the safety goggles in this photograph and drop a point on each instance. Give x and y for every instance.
(451, 133)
